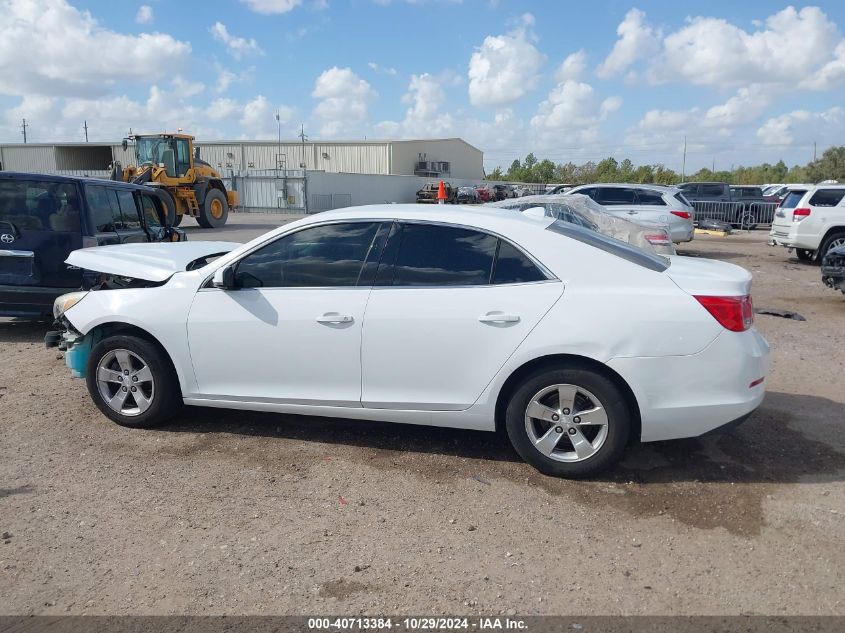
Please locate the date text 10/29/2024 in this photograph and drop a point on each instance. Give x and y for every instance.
(416, 624)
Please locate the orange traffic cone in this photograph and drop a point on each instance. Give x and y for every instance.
(441, 193)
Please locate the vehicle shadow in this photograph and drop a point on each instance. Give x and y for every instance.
(768, 448)
(23, 331)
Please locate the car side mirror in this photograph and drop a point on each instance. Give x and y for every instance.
(224, 278)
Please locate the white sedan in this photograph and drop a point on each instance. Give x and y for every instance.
(573, 343)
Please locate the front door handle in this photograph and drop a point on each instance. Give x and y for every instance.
(334, 317)
(498, 317)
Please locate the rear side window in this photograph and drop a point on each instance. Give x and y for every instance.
(792, 199)
(39, 205)
(433, 255)
(650, 198)
(827, 197)
(513, 266)
(321, 256)
(615, 195)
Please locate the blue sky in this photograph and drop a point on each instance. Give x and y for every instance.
(743, 82)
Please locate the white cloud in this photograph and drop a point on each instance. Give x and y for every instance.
(144, 15)
(271, 7)
(382, 70)
(344, 101)
(803, 127)
(505, 67)
(237, 46)
(225, 78)
(572, 67)
(48, 47)
(186, 88)
(636, 41)
(573, 111)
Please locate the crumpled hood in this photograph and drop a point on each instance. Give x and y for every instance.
(148, 261)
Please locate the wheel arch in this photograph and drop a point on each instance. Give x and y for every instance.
(836, 228)
(568, 361)
(112, 328)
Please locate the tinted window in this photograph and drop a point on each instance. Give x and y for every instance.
(150, 209)
(650, 198)
(328, 255)
(128, 218)
(513, 266)
(792, 199)
(183, 157)
(39, 206)
(615, 195)
(712, 190)
(827, 197)
(100, 208)
(431, 255)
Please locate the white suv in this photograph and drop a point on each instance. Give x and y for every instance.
(645, 204)
(811, 219)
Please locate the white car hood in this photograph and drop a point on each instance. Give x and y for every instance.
(148, 261)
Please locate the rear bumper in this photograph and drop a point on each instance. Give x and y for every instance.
(788, 236)
(32, 302)
(688, 396)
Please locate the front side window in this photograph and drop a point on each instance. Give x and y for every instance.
(712, 190)
(827, 197)
(327, 255)
(103, 213)
(183, 156)
(128, 211)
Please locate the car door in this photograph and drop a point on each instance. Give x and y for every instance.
(291, 331)
(449, 306)
(39, 227)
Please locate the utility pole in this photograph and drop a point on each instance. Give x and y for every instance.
(714, 165)
(684, 163)
(85, 127)
(303, 138)
(814, 151)
(23, 130)
(279, 157)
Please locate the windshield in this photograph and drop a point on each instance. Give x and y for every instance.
(150, 149)
(792, 199)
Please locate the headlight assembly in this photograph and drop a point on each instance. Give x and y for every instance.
(66, 302)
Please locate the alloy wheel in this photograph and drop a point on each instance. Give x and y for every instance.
(125, 382)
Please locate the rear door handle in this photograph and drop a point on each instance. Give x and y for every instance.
(333, 317)
(498, 317)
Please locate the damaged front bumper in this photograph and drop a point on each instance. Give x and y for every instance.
(76, 346)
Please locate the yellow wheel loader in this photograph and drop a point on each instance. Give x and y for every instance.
(168, 162)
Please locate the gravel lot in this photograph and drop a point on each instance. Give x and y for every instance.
(247, 513)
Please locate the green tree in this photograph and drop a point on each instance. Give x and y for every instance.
(496, 174)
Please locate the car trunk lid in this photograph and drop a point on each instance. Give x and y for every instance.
(699, 276)
(785, 213)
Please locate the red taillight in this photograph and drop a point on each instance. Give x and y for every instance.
(686, 215)
(800, 214)
(733, 313)
(658, 239)
(759, 381)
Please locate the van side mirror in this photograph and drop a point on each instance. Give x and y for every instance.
(224, 278)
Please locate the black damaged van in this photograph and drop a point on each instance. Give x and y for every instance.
(45, 217)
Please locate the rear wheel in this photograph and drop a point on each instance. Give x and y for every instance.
(214, 211)
(568, 422)
(834, 240)
(132, 381)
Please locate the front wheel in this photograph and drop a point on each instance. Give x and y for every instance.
(132, 381)
(568, 422)
(214, 211)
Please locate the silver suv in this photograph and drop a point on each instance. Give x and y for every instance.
(646, 204)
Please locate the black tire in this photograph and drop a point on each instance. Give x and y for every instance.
(837, 238)
(178, 219)
(803, 254)
(169, 205)
(208, 219)
(162, 393)
(610, 398)
(748, 221)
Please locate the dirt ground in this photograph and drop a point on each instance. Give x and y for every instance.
(247, 513)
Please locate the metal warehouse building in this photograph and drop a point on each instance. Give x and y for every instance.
(451, 158)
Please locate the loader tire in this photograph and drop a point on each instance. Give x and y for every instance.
(214, 211)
